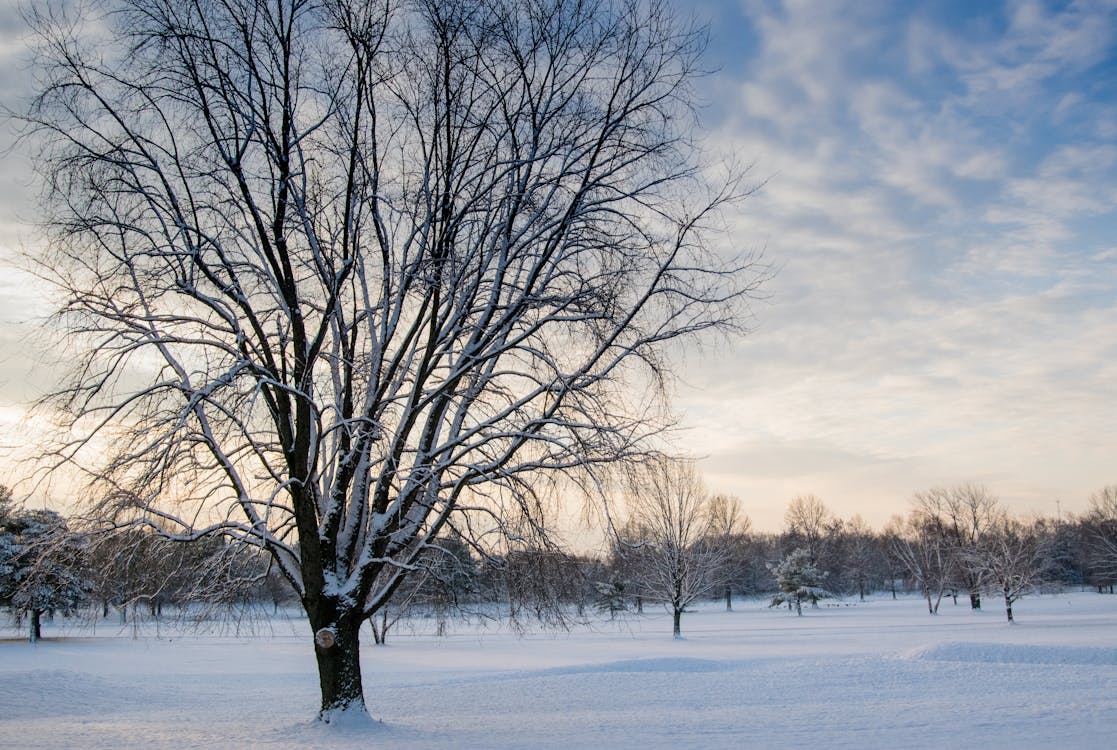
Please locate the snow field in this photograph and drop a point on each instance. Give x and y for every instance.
(874, 674)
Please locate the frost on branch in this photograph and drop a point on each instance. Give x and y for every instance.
(342, 275)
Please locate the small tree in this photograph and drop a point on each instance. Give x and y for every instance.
(810, 525)
(670, 540)
(611, 597)
(922, 552)
(1013, 560)
(42, 564)
(729, 528)
(862, 560)
(961, 516)
(799, 580)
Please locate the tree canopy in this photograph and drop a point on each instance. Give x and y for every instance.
(340, 275)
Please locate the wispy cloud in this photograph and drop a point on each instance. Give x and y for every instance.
(942, 207)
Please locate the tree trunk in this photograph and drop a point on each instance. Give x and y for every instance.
(678, 617)
(380, 633)
(337, 647)
(36, 630)
(975, 600)
(728, 598)
(1008, 606)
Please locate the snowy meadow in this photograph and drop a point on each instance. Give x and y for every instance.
(879, 673)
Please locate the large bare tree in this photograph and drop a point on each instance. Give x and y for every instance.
(339, 271)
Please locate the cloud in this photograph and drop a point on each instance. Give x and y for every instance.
(941, 208)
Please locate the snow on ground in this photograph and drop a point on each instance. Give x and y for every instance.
(860, 675)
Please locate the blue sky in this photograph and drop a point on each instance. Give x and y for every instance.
(940, 205)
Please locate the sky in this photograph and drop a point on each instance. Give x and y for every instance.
(940, 209)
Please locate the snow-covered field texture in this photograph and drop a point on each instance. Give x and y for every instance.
(881, 673)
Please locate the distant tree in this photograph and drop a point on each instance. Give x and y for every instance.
(923, 553)
(1062, 548)
(541, 582)
(755, 551)
(446, 578)
(809, 525)
(729, 530)
(862, 558)
(134, 568)
(799, 581)
(1013, 559)
(894, 569)
(611, 597)
(669, 537)
(1098, 529)
(961, 516)
(43, 565)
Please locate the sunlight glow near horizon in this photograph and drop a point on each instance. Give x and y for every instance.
(940, 206)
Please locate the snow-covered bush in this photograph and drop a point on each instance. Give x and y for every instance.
(42, 564)
(799, 580)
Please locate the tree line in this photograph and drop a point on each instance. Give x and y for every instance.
(674, 543)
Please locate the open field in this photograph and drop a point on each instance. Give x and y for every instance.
(874, 674)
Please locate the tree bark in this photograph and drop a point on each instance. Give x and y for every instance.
(339, 667)
(678, 617)
(36, 630)
(975, 600)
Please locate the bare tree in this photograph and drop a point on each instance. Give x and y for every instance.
(669, 537)
(1013, 560)
(810, 525)
(922, 552)
(337, 270)
(962, 516)
(862, 559)
(729, 527)
(133, 568)
(1099, 537)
